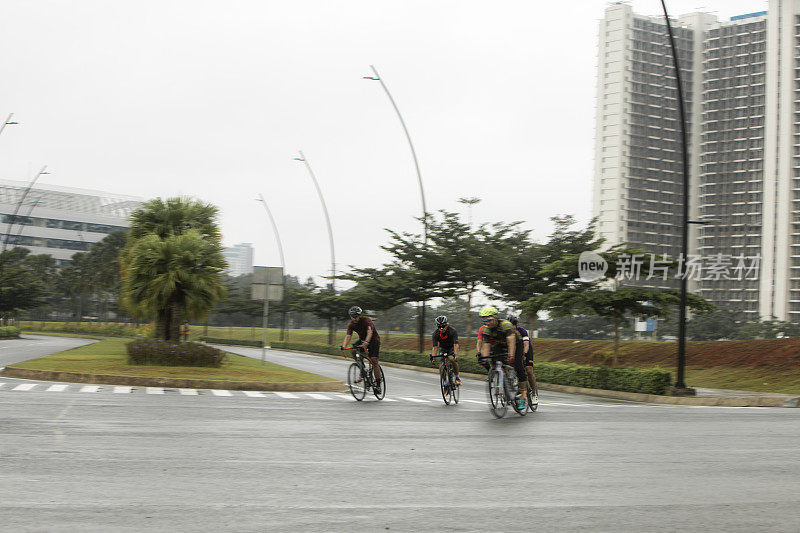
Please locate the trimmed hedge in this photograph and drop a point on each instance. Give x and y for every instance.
(7, 332)
(109, 329)
(232, 342)
(646, 381)
(162, 353)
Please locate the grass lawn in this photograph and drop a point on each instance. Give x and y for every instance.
(109, 357)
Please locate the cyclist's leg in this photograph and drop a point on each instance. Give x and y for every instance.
(454, 360)
(519, 366)
(529, 371)
(374, 352)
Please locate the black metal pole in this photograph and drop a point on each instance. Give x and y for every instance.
(679, 380)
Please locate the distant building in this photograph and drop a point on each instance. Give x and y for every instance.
(60, 221)
(239, 258)
(743, 113)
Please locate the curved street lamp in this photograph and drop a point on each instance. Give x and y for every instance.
(283, 263)
(377, 77)
(7, 122)
(13, 218)
(303, 159)
(680, 384)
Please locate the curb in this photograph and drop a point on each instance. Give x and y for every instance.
(108, 379)
(750, 401)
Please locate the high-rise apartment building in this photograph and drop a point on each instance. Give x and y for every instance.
(742, 85)
(239, 258)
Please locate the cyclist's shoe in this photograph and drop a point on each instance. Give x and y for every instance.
(458, 381)
(535, 399)
(522, 403)
(378, 388)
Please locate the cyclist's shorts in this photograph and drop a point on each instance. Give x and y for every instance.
(374, 350)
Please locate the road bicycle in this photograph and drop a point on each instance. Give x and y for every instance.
(360, 377)
(502, 387)
(447, 379)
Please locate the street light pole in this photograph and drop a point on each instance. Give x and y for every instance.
(330, 233)
(7, 122)
(680, 384)
(283, 263)
(13, 219)
(377, 77)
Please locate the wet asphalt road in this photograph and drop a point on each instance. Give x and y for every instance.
(159, 460)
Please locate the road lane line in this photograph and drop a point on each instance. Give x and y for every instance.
(25, 386)
(472, 401)
(318, 396)
(155, 390)
(90, 388)
(188, 392)
(285, 394)
(221, 392)
(122, 389)
(253, 393)
(57, 388)
(416, 400)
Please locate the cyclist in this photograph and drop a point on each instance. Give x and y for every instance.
(368, 338)
(528, 348)
(498, 336)
(446, 339)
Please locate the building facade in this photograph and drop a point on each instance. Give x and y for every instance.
(742, 92)
(239, 258)
(59, 221)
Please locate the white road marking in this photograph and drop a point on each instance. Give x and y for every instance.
(471, 401)
(417, 400)
(57, 388)
(155, 390)
(188, 392)
(25, 386)
(90, 388)
(285, 394)
(253, 393)
(318, 396)
(122, 389)
(221, 392)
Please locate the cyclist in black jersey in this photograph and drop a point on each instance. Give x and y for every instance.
(445, 338)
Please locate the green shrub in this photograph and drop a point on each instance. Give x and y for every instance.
(161, 353)
(110, 329)
(647, 380)
(232, 342)
(7, 332)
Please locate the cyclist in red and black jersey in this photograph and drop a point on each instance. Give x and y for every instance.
(445, 338)
(368, 338)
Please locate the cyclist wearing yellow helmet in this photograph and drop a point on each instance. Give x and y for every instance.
(499, 336)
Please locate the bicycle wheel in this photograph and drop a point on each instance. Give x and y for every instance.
(356, 381)
(456, 388)
(531, 405)
(382, 395)
(497, 396)
(444, 382)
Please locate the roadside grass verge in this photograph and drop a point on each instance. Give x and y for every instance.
(749, 379)
(109, 356)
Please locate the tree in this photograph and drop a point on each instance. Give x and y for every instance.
(519, 271)
(172, 264)
(22, 281)
(618, 305)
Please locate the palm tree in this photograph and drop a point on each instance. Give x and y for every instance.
(172, 264)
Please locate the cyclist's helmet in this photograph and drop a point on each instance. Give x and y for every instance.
(513, 319)
(355, 311)
(488, 311)
(441, 320)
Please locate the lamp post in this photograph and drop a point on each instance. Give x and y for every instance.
(303, 159)
(7, 122)
(13, 219)
(378, 78)
(680, 384)
(283, 263)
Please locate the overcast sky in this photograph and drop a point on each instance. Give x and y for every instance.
(213, 99)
